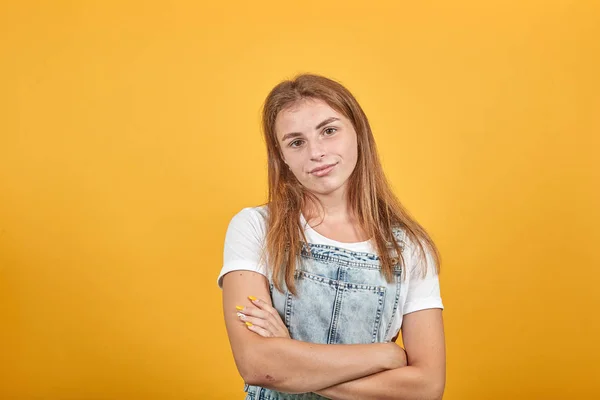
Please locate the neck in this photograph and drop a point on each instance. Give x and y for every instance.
(335, 207)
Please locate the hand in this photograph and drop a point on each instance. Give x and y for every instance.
(263, 319)
(398, 358)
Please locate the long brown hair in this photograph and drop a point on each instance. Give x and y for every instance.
(370, 197)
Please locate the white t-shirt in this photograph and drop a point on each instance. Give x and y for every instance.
(246, 234)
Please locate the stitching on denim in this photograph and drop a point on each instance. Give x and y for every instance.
(381, 302)
(396, 301)
(340, 284)
(288, 310)
(372, 261)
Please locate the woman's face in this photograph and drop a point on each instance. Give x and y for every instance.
(312, 135)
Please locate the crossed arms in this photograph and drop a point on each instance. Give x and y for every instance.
(355, 371)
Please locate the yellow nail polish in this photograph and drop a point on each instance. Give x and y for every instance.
(252, 298)
(249, 323)
(239, 308)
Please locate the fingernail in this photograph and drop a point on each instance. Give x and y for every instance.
(239, 308)
(249, 323)
(242, 316)
(252, 298)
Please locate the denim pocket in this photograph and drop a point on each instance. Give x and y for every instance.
(332, 311)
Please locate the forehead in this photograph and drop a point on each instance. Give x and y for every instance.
(303, 116)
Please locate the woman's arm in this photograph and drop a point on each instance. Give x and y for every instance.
(424, 377)
(289, 365)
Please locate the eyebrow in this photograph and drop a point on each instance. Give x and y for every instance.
(291, 135)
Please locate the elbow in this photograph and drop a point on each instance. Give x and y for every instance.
(257, 367)
(247, 358)
(259, 377)
(249, 368)
(249, 377)
(252, 379)
(265, 380)
(435, 389)
(253, 368)
(437, 395)
(255, 377)
(425, 393)
(431, 385)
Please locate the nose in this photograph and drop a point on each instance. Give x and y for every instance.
(317, 152)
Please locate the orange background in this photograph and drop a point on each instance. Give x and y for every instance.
(129, 136)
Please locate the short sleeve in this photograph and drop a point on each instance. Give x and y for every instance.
(422, 292)
(244, 241)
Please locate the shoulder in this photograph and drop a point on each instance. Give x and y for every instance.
(400, 236)
(250, 219)
(255, 215)
(418, 254)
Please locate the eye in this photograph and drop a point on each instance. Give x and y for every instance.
(330, 129)
(295, 141)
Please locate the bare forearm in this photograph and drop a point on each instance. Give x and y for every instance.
(293, 366)
(405, 383)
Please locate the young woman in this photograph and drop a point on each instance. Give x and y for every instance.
(318, 282)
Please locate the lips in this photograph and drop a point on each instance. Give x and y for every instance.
(322, 168)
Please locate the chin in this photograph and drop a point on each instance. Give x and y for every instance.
(326, 188)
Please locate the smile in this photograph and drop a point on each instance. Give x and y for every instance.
(324, 171)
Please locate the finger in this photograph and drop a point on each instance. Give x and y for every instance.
(274, 329)
(275, 318)
(255, 312)
(261, 323)
(276, 325)
(257, 329)
(263, 305)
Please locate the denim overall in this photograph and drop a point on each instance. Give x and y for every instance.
(342, 298)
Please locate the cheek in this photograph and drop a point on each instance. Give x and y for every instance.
(296, 166)
(350, 151)
(294, 161)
